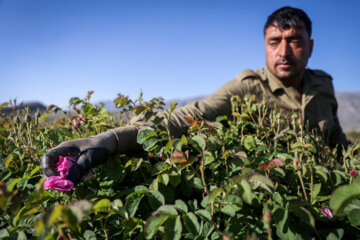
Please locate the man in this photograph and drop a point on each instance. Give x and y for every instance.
(284, 82)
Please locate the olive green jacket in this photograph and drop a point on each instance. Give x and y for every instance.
(317, 104)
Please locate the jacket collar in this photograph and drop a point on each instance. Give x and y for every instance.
(310, 85)
(274, 83)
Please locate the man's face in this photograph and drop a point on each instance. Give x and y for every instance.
(287, 52)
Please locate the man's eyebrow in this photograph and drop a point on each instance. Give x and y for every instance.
(274, 38)
(295, 36)
(291, 37)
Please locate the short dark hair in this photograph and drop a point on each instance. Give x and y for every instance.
(289, 17)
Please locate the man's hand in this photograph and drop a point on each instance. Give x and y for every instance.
(89, 152)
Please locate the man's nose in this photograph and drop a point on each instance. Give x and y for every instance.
(284, 49)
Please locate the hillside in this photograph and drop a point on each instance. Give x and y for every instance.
(349, 110)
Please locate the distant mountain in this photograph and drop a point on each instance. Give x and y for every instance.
(33, 107)
(349, 110)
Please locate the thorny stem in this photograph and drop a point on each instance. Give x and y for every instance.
(311, 184)
(301, 180)
(202, 168)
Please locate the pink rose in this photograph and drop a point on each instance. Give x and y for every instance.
(64, 164)
(353, 172)
(327, 212)
(297, 162)
(60, 183)
(75, 122)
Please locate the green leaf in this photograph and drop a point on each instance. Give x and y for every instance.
(150, 143)
(343, 196)
(183, 140)
(262, 181)
(173, 228)
(283, 230)
(215, 193)
(56, 214)
(18, 235)
(140, 188)
(297, 145)
(180, 205)
(89, 235)
(168, 210)
(228, 210)
(284, 156)
(70, 219)
(279, 171)
(335, 178)
(249, 143)
(153, 224)
(261, 148)
(204, 214)
(13, 183)
(233, 199)
(316, 190)
(354, 217)
(278, 198)
(35, 170)
(116, 173)
(132, 202)
(159, 168)
(8, 161)
(173, 106)
(305, 216)
(175, 179)
(208, 158)
(155, 198)
(4, 233)
(158, 120)
(164, 178)
(199, 142)
(144, 134)
(102, 206)
(197, 184)
(321, 172)
(336, 234)
(246, 193)
(207, 229)
(191, 223)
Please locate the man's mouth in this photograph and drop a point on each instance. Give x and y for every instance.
(284, 64)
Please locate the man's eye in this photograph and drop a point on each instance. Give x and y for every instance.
(296, 42)
(273, 43)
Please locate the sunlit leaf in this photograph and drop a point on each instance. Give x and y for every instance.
(343, 196)
(173, 228)
(191, 223)
(153, 224)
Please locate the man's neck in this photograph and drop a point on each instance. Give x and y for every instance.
(296, 83)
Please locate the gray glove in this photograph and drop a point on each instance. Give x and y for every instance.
(89, 152)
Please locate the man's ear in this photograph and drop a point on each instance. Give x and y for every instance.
(311, 47)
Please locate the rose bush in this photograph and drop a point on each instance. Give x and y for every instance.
(241, 177)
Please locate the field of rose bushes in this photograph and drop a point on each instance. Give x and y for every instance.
(240, 177)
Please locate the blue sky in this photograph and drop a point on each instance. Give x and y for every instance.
(52, 50)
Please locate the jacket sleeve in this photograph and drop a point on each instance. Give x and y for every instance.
(208, 109)
(329, 124)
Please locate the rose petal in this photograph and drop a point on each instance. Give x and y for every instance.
(58, 184)
(327, 212)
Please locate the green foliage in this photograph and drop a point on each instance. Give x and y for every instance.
(240, 177)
